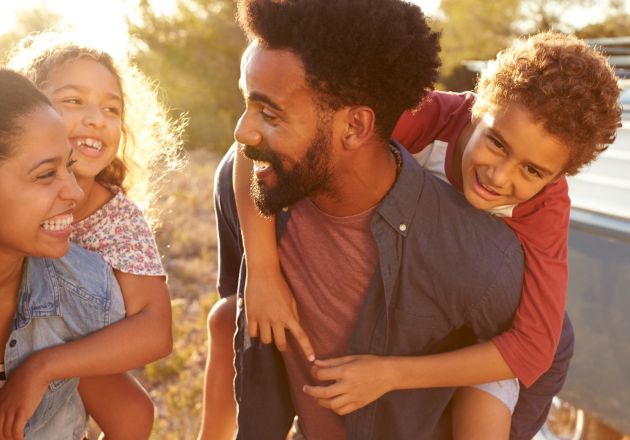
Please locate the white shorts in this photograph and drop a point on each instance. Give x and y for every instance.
(504, 390)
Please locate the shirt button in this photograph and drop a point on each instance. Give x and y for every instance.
(402, 227)
(12, 343)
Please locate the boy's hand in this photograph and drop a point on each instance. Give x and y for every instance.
(270, 309)
(359, 381)
(19, 398)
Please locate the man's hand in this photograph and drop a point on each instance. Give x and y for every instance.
(19, 398)
(359, 380)
(270, 309)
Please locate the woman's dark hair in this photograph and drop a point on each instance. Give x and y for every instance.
(377, 53)
(18, 98)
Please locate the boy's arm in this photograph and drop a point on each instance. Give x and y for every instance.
(541, 225)
(361, 379)
(269, 304)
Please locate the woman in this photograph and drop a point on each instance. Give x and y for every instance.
(43, 302)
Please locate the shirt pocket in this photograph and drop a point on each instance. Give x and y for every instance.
(58, 393)
(415, 332)
(83, 312)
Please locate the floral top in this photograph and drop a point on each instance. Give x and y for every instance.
(120, 234)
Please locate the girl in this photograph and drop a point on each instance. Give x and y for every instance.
(545, 107)
(44, 302)
(119, 132)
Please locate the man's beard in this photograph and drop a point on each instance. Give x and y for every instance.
(309, 176)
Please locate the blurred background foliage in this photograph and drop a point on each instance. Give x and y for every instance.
(193, 53)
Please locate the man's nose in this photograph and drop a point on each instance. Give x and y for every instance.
(245, 132)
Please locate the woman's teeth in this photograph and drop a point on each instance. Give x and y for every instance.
(58, 224)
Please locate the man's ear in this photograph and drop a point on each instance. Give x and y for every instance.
(359, 126)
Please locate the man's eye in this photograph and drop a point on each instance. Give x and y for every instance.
(267, 116)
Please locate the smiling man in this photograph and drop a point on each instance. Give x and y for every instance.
(367, 239)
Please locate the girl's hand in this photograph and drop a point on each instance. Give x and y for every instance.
(19, 398)
(270, 309)
(359, 381)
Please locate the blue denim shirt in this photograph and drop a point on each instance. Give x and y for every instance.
(448, 275)
(61, 300)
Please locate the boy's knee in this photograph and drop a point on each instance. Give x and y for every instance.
(222, 318)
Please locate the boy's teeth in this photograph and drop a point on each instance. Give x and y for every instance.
(58, 224)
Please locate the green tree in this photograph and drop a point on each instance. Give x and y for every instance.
(616, 23)
(194, 55)
(27, 21)
(473, 30)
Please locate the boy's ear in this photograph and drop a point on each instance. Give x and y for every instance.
(359, 126)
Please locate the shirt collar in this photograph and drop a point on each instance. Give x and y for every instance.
(399, 205)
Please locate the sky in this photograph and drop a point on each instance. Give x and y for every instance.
(103, 23)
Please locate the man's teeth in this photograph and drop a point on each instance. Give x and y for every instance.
(58, 224)
(259, 165)
(90, 143)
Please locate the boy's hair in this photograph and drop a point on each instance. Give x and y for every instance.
(564, 84)
(377, 53)
(18, 98)
(151, 141)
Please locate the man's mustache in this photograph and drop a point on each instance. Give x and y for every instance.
(261, 154)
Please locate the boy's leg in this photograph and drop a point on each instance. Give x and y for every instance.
(219, 406)
(484, 411)
(119, 405)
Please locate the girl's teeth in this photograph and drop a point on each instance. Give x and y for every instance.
(58, 224)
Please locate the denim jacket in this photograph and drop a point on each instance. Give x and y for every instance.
(448, 275)
(61, 300)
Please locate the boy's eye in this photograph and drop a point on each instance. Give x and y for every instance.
(533, 171)
(496, 143)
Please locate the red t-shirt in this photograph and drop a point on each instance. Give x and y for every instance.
(540, 223)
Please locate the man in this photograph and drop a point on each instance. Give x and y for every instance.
(383, 259)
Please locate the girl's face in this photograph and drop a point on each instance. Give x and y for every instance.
(88, 97)
(509, 159)
(38, 191)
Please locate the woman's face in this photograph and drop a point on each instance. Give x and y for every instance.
(38, 191)
(89, 99)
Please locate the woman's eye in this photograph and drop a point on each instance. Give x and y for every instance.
(47, 175)
(71, 101)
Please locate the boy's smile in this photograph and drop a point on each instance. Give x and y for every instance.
(509, 158)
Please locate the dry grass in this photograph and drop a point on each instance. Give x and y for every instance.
(187, 241)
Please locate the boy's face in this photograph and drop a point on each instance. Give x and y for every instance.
(509, 159)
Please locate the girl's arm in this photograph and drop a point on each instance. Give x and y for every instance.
(269, 304)
(143, 336)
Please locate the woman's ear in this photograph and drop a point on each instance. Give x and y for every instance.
(359, 126)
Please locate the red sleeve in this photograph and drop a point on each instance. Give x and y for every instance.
(542, 225)
(440, 117)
